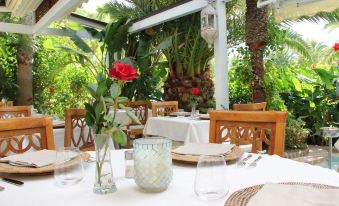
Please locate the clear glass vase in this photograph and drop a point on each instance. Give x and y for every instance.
(193, 111)
(104, 180)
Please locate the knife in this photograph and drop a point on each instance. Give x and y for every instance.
(11, 181)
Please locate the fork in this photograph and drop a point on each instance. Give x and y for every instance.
(243, 162)
(254, 163)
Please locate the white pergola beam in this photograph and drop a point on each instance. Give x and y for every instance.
(168, 15)
(16, 28)
(55, 13)
(4, 9)
(221, 58)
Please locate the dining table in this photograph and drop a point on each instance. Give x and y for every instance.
(42, 190)
(183, 129)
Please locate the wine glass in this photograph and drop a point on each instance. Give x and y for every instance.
(68, 168)
(211, 177)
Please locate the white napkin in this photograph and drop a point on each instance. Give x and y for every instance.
(39, 158)
(204, 149)
(294, 195)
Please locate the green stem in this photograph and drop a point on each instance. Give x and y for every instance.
(100, 163)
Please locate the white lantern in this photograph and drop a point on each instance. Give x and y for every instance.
(209, 24)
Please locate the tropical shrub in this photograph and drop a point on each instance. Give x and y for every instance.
(295, 134)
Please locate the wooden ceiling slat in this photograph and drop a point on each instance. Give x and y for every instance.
(43, 8)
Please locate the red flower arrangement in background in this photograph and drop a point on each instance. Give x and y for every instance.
(193, 100)
(123, 72)
(336, 47)
(195, 91)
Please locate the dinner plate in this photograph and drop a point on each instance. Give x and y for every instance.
(11, 169)
(235, 154)
(176, 114)
(204, 116)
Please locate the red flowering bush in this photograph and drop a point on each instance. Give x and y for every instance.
(51, 90)
(336, 47)
(124, 72)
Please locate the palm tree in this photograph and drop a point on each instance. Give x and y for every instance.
(188, 57)
(256, 34)
(24, 45)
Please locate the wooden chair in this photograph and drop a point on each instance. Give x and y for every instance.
(140, 109)
(15, 111)
(36, 131)
(9, 104)
(75, 120)
(269, 127)
(250, 107)
(165, 108)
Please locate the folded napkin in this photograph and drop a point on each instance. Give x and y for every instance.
(294, 195)
(204, 149)
(39, 158)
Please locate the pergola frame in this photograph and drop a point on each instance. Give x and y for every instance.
(184, 8)
(220, 44)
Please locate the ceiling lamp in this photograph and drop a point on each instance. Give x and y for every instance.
(209, 24)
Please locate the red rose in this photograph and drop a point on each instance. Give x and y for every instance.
(51, 90)
(195, 91)
(123, 72)
(336, 47)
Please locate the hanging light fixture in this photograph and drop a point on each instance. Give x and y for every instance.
(209, 24)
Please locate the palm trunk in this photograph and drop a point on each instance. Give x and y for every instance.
(178, 87)
(24, 71)
(256, 34)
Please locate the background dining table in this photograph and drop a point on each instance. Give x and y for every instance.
(184, 129)
(42, 190)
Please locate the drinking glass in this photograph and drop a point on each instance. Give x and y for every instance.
(181, 113)
(68, 167)
(211, 177)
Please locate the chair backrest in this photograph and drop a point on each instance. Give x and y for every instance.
(268, 127)
(22, 134)
(165, 108)
(77, 133)
(15, 111)
(140, 109)
(9, 104)
(250, 107)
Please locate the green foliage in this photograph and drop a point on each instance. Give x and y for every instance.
(295, 134)
(8, 66)
(54, 68)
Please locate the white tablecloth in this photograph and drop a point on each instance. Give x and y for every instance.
(179, 129)
(43, 191)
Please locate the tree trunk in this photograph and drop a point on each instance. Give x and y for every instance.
(178, 87)
(256, 34)
(24, 72)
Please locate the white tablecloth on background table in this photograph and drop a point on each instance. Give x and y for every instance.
(179, 128)
(43, 191)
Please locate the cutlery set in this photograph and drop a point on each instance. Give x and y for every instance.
(10, 181)
(243, 162)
